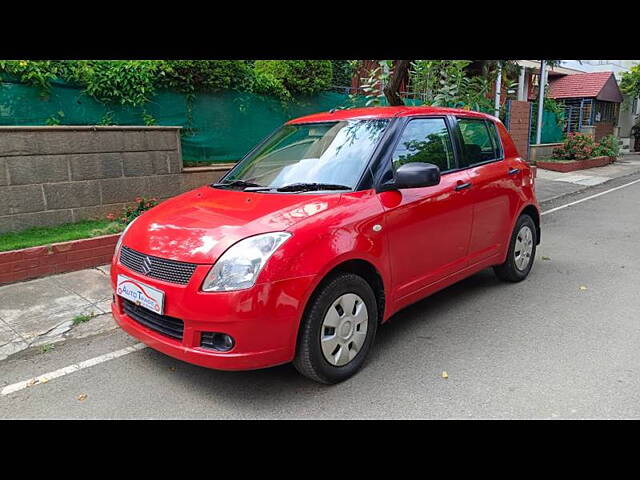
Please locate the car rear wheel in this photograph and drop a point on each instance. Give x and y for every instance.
(338, 329)
(522, 251)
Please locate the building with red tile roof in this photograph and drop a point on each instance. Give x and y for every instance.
(599, 85)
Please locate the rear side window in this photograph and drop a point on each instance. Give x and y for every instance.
(479, 141)
(425, 140)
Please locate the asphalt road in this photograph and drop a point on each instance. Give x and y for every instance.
(543, 348)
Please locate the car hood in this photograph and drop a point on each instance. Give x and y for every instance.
(198, 226)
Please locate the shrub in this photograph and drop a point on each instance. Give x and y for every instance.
(131, 212)
(37, 74)
(126, 82)
(577, 146)
(299, 77)
(609, 146)
(134, 82)
(343, 71)
(188, 76)
(267, 84)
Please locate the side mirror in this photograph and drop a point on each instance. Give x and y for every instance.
(417, 174)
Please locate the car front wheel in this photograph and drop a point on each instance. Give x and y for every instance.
(338, 329)
(522, 251)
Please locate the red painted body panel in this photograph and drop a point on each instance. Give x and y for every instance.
(386, 112)
(428, 232)
(199, 225)
(429, 238)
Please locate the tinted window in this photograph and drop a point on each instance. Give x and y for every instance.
(425, 140)
(496, 138)
(478, 143)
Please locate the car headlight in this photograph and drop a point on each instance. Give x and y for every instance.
(239, 267)
(119, 243)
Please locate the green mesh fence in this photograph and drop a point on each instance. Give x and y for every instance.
(551, 130)
(219, 127)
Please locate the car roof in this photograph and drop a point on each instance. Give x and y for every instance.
(386, 112)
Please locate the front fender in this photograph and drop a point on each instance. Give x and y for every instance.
(323, 242)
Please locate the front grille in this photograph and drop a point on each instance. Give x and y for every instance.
(155, 267)
(169, 326)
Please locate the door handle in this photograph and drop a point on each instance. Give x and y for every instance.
(462, 186)
(514, 171)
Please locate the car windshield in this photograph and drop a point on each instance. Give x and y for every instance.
(314, 156)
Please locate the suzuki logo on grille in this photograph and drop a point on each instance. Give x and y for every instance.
(146, 265)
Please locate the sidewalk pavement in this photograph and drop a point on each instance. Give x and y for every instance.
(51, 309)
(41, 312)
(551, 185)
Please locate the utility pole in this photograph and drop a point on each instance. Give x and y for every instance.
(540, 101)
(498, 88)
(521, 81)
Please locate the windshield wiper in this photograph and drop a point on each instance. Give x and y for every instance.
(311, 187)
(236, 183)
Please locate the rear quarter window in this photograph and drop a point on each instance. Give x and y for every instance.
(480, 141)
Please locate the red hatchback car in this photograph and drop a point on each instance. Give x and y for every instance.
(323, 231)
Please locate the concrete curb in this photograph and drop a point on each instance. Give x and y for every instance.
(611, 182)
(34, 262)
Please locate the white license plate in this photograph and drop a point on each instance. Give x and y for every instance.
(140, 294)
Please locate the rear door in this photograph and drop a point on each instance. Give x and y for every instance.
(427, 228)
(493, 190)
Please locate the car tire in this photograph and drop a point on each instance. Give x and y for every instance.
(316, 357)
(523, 242)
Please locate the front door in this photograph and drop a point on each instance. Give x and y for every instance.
(427, 228)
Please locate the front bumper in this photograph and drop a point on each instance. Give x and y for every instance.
(263, 320)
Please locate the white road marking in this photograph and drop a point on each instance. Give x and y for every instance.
(589, 198)
(70, 369)
(139, 346)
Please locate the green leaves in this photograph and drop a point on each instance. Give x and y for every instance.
(445, 83)
(189, 76)
(298, 77)
(134, 82)
(630, 82)
(372, 85)
(577, 146)
(36, 73)
(127, 82)
(609, 146)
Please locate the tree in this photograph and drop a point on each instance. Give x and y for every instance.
(630, 82)
(392, 88)
(403, 68)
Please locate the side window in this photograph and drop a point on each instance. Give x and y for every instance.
(496, 138)
(425, 140)
(478, 142)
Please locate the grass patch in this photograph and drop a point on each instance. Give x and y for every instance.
(78, 319)
(38, 236)
(47, 348)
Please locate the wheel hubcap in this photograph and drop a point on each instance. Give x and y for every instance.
(344, 329)
(523, 247)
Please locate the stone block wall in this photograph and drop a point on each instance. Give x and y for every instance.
(64, 174)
